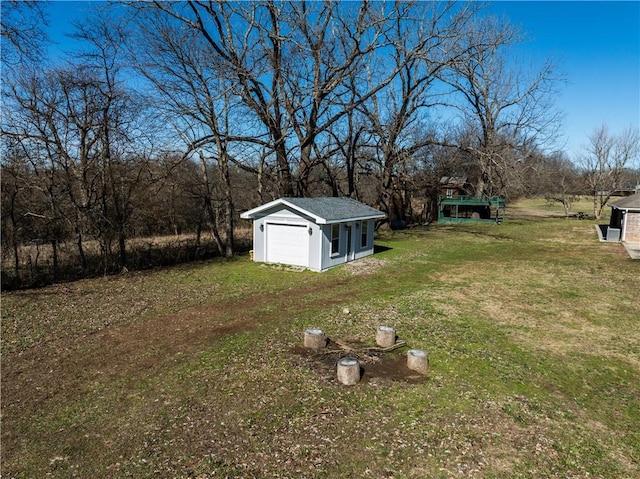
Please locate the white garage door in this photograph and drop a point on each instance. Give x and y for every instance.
(287, 244)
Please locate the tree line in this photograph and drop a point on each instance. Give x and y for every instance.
(173, 117)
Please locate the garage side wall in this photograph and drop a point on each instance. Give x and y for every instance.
(367, 248)
(316, 240)
(346, 253)
(327, 261)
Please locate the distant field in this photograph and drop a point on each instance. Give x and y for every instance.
(531, 328)
(539, 206)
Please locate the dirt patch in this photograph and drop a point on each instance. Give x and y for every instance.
(377, 367)
(365, 266)
(62, 368)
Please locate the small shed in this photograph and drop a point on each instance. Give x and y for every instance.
(316, 233)
(625, 218)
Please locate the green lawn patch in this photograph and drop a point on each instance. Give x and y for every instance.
(531, 328)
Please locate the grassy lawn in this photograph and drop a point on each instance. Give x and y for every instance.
(531, 326)
(539, 207)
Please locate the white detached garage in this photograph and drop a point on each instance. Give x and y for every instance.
(316, 233)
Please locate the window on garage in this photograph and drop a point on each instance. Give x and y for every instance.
(335, 239)
(365, 229)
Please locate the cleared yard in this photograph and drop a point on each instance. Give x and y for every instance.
(532, 330)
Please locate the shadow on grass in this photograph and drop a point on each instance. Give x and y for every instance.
(377, 248)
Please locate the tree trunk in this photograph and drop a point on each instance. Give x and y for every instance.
(54, 250)
(348, 371)
(198, 233)
(481, 184)
(16, 256)
(213, 224)
(385, 336)
(260, 180)
(597, 209)
(285, 179)
(314, 338)
(229, 210)
(417, 360)
(83, 256)
(122, 249)
(304, 169)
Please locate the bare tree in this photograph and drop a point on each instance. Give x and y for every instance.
(118, 111)
(561, 181)
(328, 43)
(287, 62)
(227, 35)
(507, 111)
(30, 210)
(197, 99)
(604, 161)
(39, 120)
(424, 40)
(77, 124)
(22, 31)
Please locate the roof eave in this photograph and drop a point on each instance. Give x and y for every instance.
(248, 215)
(356, 218)
(628, 208)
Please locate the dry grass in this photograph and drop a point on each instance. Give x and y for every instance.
(548, 309)
(530, 327)
(541, 208)
(36, 264)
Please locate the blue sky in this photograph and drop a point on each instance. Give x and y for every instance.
(597, 47)
(595, 44)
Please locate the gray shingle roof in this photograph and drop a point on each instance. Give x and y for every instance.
(324, 210)
(628, 202)
(335, 209)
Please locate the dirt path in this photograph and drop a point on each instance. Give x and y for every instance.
(65, 368)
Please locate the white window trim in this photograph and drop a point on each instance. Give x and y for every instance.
(364, 234)
(337, 253)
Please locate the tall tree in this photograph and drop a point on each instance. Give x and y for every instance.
(286, 62)
(604, 161)
(80, 124)
(118, 110)
(33, 206)
(507, 111)
(195, 97)
(560, 181)
(424, 40)
(42, 118)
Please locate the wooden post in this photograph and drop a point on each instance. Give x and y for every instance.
(314, 338)
(417, 360)
(385, 336)
(348, 371)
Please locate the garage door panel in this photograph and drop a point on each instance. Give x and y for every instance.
(287, 244)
